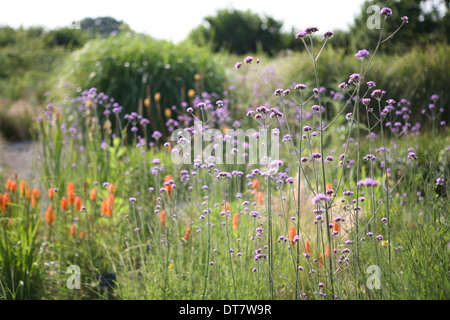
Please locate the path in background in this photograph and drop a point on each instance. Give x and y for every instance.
(16, 157)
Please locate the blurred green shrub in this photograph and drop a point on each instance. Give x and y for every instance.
(239, 32)
(142, 74)
(414, 75)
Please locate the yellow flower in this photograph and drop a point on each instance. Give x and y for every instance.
(170, 266)
(167, 112)
(385, 243)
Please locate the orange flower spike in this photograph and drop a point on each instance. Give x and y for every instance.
(107, 206)
(35, 193)
(255, 184)
(81, 234)
(6, 200)
(64, 203)
(226, 207)
(110, 201)
(77, 203)
(8, 184)
(187, 234)
(292, 233)
(162, 217)
(168, 187)
(327, 252)
(112, 189)
(51, 193)
(260, 198)
(335, 225)
(72, 230)
(23, 187)
(93, 194)
(108, 209)
(168, 182)
(329, 189)
(308, 246)
(71, 197)
(13, 186)
(235, 220)
(70, 188)
(33, 202)
(50, 215)
(103, 208)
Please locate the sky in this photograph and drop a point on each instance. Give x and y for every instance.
(173, 19)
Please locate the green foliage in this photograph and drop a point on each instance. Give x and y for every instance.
(239, 32)
(66, 37)
(28, 56)
(415, 75)
(101, 26)
(20, 267)
(428, 23)
(135, 67)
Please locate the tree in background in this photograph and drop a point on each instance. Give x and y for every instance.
(69, 38)
(102, 26)
(239, 32)
(428, 23)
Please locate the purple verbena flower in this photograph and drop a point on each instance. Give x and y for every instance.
(319, 197)
(328, 34)
(311, 30)
(361, 54)
(386, 11)
(248, 59)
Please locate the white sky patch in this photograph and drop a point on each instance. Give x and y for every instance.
(174, 19)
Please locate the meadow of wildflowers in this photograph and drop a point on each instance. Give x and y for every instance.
(346, 202)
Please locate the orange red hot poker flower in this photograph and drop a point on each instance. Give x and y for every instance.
(71, 197)
(23, 187)
(226, 207)
(168, 184)
(292, 233)
(112, 189)
(162, 218)
(64, 203)
(11, 185)
(72, 230)
(235, 220)
(35, 195)
(327, 254)
(93, 194)
(77, 202)
(107, 206)
(4, 201)
(70, 193)
(260, 198)
(307, 247)
(187, 234)
(51, 193)
(329, 189)
(50, 215)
